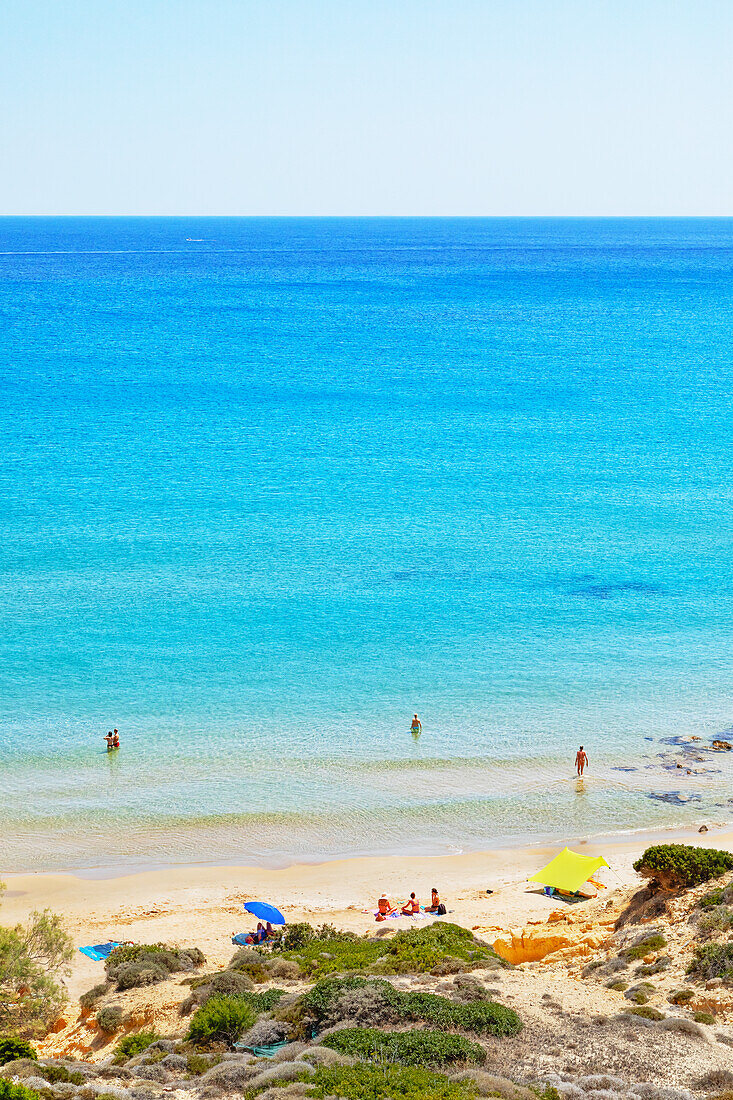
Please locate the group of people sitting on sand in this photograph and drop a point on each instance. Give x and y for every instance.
(410, 908)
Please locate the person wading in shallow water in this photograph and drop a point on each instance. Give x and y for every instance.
(581, 759)
(416, 725)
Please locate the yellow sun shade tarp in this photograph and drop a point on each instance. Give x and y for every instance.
(568, 871)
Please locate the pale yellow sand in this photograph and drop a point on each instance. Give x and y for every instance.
(202, 907)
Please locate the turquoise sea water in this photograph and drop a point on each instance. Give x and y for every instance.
(271, 486)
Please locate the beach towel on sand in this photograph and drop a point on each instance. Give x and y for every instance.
(99, 951)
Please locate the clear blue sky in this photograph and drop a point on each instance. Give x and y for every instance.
(366, 106)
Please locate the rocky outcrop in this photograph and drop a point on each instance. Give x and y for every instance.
(561, 937)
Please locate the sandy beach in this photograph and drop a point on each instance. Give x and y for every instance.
(202, 906)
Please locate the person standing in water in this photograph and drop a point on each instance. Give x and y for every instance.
(581, 759)
(416, 725)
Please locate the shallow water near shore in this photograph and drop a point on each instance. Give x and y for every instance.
(268, 493)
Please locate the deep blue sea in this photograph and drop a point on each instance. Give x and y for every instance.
(270, 486)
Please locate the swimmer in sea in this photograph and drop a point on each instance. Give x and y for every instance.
(581, 759)
(416, 726)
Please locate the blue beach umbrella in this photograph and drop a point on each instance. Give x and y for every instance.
(263, 911)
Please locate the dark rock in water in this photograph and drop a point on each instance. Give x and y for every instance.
(677, 798)
(722, 746)
(703, 829)
(622, 769)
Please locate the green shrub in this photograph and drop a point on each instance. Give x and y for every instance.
(417, 950)
(409, 1048)
(109, 1018)
(333, 999)
(265, 1001)
(32, 957)
(618, 984)
(145, 963)
(12, 1048)
(478, 1017)
(714, 960)
(222, 1019)
(469, 988)
(718, 918)
(90, 998)
(365, 1082)
(647, 1012)
(647, 946)
(703, 1017)
(131, 1045)
(196, 1064)
(681, 996)
(60, 1075)
(662, 963)
(412, 951)
(678, 865)
(715, 897)
(9, 1091)
(228, 982)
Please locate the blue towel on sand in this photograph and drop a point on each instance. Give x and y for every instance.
(99, 951)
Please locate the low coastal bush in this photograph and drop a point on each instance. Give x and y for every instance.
(680, 865)
(419, 949)
(681, 996)
(222, 1019)
(718, 896)
(146, 963)
(134, 1044)
(366, 1082)
(60, 1075)
(196, 1064)
(719, 918)
(10, 1091)
(466, 987)
(714, 960)
(703, 1017)
(412, 951)
(646, 971)
(260, 1002)
(12, 1048)
(109, 1018)
(265, 1032)
(90, 998)
(228, 982)
(376, 1002)
(647, 945)
(647, 1012)
(258, 967)
(640, 993)
(409, 1048)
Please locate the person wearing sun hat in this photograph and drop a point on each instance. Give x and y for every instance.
(385, 908)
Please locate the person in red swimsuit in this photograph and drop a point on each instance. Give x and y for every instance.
(411, 906)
